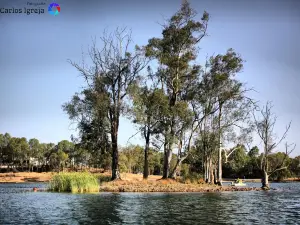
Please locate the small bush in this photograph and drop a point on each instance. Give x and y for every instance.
(103, 177)
(192, 178)
(74, 182)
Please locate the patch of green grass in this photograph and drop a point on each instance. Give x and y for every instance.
(76, 182)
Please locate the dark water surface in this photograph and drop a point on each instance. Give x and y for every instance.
(19, 205)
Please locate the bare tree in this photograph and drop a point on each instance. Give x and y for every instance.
(114, 69)
(265, 130)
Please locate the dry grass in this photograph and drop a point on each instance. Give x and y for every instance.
(24, 177)
(129, 183)
(135, 183)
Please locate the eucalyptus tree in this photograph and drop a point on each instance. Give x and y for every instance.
(149, 103)
(175, 52)
(112, 71)
(206, 145)
(184, 127)
(229, 96)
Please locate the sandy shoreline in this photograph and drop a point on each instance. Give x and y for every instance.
(129, 183)
(135, 183)
(24, 177)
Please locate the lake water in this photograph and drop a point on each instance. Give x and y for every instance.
(19, 205)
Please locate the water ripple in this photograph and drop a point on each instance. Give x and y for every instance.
(19, 205)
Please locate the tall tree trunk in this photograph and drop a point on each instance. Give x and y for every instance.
(147, 133)
(170, 133)
(219, 146)
(211, 171)
(167, 162)
(206, 171)
(146, 164)
(170, 150)
(265, 181)
(177, 166)
(179, 159)
(215, 176)
(115, 153)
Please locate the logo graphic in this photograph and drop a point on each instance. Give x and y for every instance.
(54, 9)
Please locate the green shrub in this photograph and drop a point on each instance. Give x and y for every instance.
(192, 177)
(103, 178)
(189, 177)
(74, 182)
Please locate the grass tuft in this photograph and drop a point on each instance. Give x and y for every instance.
(74, 182)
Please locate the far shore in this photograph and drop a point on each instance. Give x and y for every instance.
(135, 183)
(26, 177)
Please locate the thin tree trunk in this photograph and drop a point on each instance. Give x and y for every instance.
(177, 166)
(147, 133)
(220, 150)
(166, 165)
(206, 170)
(115, 153)
(215, 176)
(179, 158)
(211, 171)
(167, 161)
(265, 181)
(115, 159)
(170, 140)
(146, 164)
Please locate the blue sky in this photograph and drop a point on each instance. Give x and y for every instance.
(35, 78)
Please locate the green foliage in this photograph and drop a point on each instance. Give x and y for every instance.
(294, 166)
(74, 182)
(188, 176)
(239, 158)
(131, 160)
(254, 152)
(281, 162)
(103, 178)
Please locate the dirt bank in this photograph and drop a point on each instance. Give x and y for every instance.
(166, 186)
(129, 183)
(23, 177)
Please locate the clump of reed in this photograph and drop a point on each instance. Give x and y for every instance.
(76, 182)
